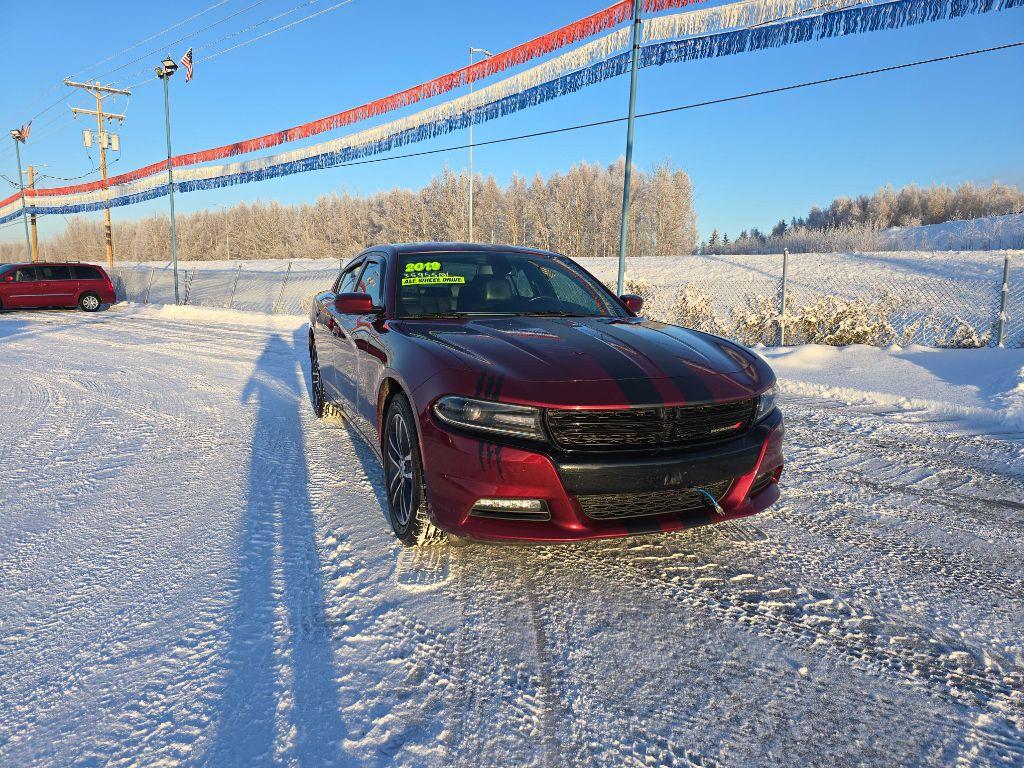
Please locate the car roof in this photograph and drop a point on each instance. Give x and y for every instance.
(404, 248)
(50, 264)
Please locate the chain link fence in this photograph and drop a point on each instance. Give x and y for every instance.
(950, 299)
(283, 288)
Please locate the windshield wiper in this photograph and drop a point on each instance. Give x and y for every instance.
(551, 313)
(434, 315)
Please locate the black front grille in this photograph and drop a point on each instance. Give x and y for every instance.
(624, 429)
(616, 506)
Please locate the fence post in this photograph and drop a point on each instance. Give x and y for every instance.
(188, 285)
(284, 285)
(149, 285)
(782, 298)
(234, 286)
(1001, 334)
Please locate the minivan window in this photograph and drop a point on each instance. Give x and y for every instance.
(25, 275)
(54, 273)
(82, 272)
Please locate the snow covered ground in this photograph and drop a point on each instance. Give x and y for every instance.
(194, 571)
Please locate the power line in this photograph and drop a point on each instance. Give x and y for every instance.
(156, 52)
(257, 37)
(123, 51)
(163, 31)
(695, 105)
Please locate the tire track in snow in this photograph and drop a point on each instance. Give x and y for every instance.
(914, 666)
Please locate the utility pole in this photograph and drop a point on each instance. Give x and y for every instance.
(472, 116)
(19, 137)
(101, 92)
(167, 68)
(624, 227)
(32, 217)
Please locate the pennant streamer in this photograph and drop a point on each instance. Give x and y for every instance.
(743, 14)
(595, 62)
(520, 54)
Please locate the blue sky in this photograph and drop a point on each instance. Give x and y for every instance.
(751, 162)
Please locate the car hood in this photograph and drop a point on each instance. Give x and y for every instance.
(646, 362)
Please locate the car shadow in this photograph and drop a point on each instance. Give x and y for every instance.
(280, 677)
(11, 326)
(364, 453)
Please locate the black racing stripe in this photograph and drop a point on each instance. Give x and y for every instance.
(632, 380)
(499, 381)
(497, 461)
(488, 386)
(695, 388)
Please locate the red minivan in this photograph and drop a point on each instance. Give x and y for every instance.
(47, 284)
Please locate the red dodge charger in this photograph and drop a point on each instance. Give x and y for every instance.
(510, 395)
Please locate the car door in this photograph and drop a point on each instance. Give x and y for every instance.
(88, 278)
(338, 344)
(24, 289)
(58, 285)
(370, 353)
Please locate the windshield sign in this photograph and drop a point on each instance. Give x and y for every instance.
(478, 283)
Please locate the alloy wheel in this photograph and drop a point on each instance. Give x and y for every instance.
(400, 477)
(90, 303)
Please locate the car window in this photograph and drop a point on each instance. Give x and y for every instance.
(59, 272)
(371, 282)
(347, 280)
(82, 272)
(25, 275)
(498, 283)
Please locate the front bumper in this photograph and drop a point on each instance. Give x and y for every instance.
(461, 469)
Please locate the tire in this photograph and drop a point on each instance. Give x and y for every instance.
(316, 382)
(89, 302)
(405, 486)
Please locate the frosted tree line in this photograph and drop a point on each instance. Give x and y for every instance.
(575, 213)
(859, 223)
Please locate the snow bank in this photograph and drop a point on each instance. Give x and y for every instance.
(989, 232)
(977, 388)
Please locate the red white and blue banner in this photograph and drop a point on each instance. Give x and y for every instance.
(700, 34)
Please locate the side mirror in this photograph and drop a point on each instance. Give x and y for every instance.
(633, 302)
(353, 304)
(8, 278)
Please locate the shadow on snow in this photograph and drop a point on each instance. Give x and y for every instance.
(280, 682)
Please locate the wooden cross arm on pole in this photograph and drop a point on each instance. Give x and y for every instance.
(76, 111)
(97, 88)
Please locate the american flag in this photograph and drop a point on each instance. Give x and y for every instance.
(186, 62)
(23, 132)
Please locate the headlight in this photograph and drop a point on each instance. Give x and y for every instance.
(766, 402)
(486, 416)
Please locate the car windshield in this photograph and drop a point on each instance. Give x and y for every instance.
(498, 283)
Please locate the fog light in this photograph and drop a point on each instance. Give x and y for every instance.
(512, 509)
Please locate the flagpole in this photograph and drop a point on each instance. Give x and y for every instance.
(164, 72)
(16, 135)
(627, 178)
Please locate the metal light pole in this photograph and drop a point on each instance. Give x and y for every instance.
(227, 230)
(167, 68)
(624, 228)
(16, 135)
(472, 118)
